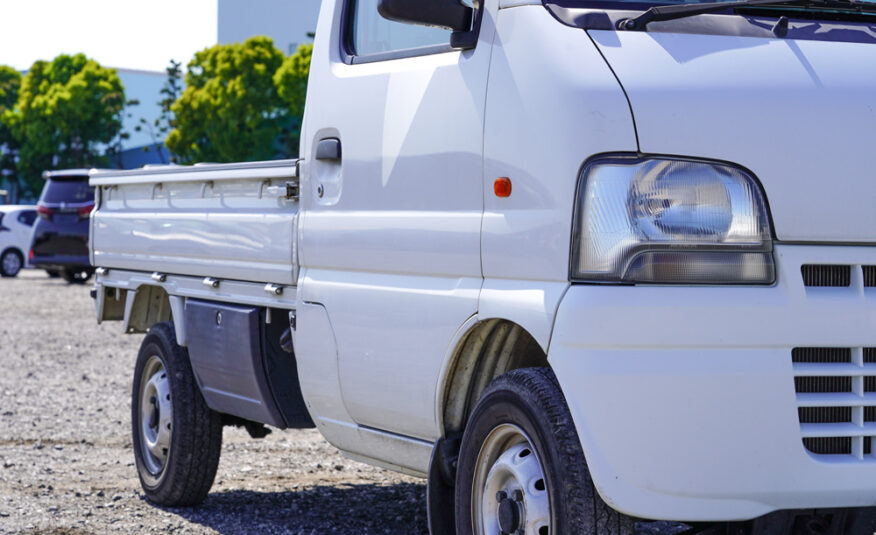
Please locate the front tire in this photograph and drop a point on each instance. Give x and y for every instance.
(521, 466)
(177, 438)
(11, 263)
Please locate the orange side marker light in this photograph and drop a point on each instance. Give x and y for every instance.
(502, 187)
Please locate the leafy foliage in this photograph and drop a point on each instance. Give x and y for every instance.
(66, 111)
(10, 83)
(291, 82)
(165, 122)
(242, 102)
(230, 109)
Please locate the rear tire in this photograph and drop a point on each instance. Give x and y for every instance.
(177, 438)
(11, 263)
(521, 466)
(77, 275)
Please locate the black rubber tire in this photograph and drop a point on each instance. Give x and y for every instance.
(196, 441)
(9, 274)
(53, 273)
(77, 275)
(531, 399)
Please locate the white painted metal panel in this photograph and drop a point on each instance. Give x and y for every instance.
(553, 103)
(797, 113)
(220, 221)
(392, 384)
(684, 397)
(390, 233)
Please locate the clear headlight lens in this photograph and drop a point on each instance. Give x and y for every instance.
(671, 221)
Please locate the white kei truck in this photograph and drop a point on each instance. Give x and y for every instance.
(577, 262)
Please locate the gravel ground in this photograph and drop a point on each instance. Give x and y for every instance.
(66, 464)
(67, 468)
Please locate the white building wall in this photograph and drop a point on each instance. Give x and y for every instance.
(144, 86)
(287, 22)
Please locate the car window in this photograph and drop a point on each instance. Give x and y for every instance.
(67, 191)
(27, 217)
(372, 34)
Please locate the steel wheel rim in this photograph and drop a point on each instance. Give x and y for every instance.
(11, 263)
(156, 415)
(509, 475)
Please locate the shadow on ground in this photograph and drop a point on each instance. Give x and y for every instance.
(346, 509)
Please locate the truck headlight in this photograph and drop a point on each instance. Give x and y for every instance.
(667, 220)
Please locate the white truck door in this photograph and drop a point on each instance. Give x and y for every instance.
(393, 202)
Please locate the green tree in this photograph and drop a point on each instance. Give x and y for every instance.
(67, 111)
(291, 82)
(10, 83)
(165, 122)
(230, 109)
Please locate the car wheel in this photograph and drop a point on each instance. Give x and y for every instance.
(11, 262)
(77, 275)
(521, 467)
(177, 438)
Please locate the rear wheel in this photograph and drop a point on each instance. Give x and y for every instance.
(11, 263)
(177, 438)
(521, 468)
(77, 275)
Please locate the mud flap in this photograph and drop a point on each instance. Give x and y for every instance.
(440, 487)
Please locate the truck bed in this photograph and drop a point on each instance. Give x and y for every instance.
(228, 221)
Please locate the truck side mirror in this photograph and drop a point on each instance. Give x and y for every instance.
(449, 14)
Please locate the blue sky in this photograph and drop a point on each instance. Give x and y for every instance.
(131, 34)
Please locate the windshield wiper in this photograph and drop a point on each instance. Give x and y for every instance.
(678, 11)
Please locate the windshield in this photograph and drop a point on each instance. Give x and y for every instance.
(67, 191)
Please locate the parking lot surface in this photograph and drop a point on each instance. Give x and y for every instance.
(66, 464)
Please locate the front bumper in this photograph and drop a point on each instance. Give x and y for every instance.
(684, 397)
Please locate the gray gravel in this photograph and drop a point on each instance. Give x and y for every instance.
(67, 468)
(66, 464)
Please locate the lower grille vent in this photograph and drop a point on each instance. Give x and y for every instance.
(822, 415)
(836, 399)
(829, 445)
(821, 354)
(823, 275)
(870, 276)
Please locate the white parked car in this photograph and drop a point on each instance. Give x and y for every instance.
(16, 227)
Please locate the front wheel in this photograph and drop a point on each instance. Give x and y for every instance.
(177, 438)
(521, 467)
(11, 263)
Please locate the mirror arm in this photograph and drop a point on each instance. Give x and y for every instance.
(469, 38)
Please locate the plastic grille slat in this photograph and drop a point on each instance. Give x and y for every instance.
(837, 416)
(869, 276)
(826, 275)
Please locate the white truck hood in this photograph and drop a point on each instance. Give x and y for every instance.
(800, 115)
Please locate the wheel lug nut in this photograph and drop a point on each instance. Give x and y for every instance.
(517, 495)
(501, 495)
